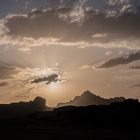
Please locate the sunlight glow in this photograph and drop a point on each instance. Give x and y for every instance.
(54, 86)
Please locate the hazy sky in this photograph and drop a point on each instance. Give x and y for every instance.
(57, 49)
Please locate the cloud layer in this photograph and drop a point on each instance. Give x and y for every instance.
(3, 84)
(6, 71)
(68, 25)
(121, 60)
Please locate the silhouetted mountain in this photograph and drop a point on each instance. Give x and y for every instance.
(88, 98)
(117, 121)
(16, 109)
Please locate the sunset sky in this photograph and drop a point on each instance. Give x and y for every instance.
(57, 49)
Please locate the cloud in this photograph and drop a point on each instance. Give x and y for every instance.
(121, 60)
(3, 84)
(135, 67)
(68, 25)
(29, 78)
(135, 86)
(78, 12)
(108, 53)
(121, 6)
(37, 24)
(23, 77)
(85, 67)
(21, 83)
(7, 71)
(49, 79)
(65, 26)
(79, 24)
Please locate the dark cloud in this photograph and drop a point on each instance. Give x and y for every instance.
(23, 6)
(135, 67)
(3, 84)
(121, 60)
(135, 86)
(40, 24)
(6, 71)
(60, 23)
(30, 89)
(48, 79)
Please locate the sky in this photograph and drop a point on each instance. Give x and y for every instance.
(57, 49)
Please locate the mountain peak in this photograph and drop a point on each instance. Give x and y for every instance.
(87, 92)
(88, 98)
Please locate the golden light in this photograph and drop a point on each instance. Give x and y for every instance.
(54, 86)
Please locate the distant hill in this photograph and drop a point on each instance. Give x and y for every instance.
(117, 121)
(22, 108)
(88, 98)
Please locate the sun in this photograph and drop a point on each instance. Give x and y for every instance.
(53, 86)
